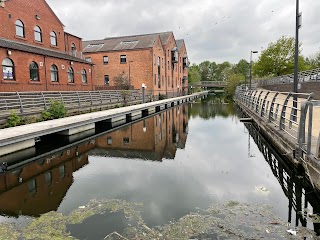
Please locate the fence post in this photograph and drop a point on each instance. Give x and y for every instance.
(301, 128)
(283, 112)
(100, 97)
(20, 100)
(90, 97)
(309, 128)
(44, 101)
(272, 106)
(264, 104)
(61, 97)
(78, 98)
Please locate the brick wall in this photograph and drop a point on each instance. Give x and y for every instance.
(22, 80)
(26, 11)
(140, 62)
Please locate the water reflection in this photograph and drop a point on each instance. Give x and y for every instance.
(302, 197)
(192, 162)
(40, 186)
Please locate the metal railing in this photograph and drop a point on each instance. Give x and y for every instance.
(209, 83)
(36, 102)
(303, 76)
(292, 113)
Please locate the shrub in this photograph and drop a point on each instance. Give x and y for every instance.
(13, 119)
(56, 110)
(162, 96)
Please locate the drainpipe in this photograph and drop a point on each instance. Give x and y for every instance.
(45, 71)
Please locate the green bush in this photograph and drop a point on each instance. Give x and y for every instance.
(56, 110)
(162, 96)
(13, 119)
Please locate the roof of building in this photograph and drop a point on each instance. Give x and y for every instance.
(125, 42)
(179, 43)
(13, 45)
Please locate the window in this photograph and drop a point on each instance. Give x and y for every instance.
(19, 28)
(155, 79)
(106, 80)
(37, 34)
(53, 38)
(34, 71)
(32, 186)
(154, 59)
(84, 76)
(109, 140)
(54, 73)
(62, 171)
(88, 59)
(105, 60)
(70, 75)
(159, 61)
(73, 49)
(48, 178)
(126, 141)
(123, 58)
(7, 69)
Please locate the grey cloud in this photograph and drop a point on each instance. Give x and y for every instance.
(213, 30)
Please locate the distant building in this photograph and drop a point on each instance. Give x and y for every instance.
(35, 52)
(153, 59)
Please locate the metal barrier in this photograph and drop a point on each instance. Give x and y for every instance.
(303, 76)
(292, 113)
(35, 102)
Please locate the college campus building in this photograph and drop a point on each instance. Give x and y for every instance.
(36, 53)
(156, 60)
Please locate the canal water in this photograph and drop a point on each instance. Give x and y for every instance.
(157, 170)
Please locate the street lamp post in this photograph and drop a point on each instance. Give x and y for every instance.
(250, 68)
(296, 59)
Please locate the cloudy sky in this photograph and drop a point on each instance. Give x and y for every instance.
(215, 30)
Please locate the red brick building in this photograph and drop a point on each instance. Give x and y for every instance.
(35, 52)
(152, 59)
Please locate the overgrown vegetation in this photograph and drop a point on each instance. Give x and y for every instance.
(56, 110)
(123, 83)
(13, 119)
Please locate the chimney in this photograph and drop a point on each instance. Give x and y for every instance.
(2, 3)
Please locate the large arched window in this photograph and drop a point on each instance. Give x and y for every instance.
(84, 76)
(73, 49)
(70, 75)
(19, 28)
(34, 71)
(53, 38)
(8, 69)
(54, 73)
(37, 34)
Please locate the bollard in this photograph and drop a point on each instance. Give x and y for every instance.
(143, 92)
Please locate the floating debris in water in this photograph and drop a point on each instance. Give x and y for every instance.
(232, 220)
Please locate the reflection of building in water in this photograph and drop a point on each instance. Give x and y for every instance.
(40, 186)
(152, 138)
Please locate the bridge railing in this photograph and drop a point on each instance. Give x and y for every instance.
(293, 113)
(209, 83)
(303, 76)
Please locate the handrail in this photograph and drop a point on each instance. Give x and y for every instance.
(36, 102)
(279, 108)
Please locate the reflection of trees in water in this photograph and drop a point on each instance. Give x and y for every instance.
(211, 107)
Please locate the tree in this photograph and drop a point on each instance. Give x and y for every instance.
(278, 58)
(122, 82)
(313, 61)
(204, 68)
(194, 74)
(233, 81)
(242, 68)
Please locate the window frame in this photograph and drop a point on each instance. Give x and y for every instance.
(104, 79)
(20, 28)
(84, 77)
(3, 65)
(54, 71)
(123, 57)
(70, 75)
(53, 36)
(34, 70)
(105, 58)
(37, 32)
(73, 49)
